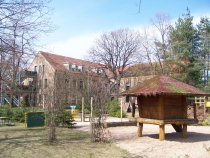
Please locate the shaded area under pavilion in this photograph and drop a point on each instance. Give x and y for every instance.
(163, 100)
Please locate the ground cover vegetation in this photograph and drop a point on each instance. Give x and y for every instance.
(63, 117)
(21, 143)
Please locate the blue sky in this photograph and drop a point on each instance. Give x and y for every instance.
(80, 22)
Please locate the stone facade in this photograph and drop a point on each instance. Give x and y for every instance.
(63, 79)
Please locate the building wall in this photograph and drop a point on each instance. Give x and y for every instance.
(45, 80)
(127, 83)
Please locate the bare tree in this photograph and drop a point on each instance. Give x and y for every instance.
(68, 88)
(115, 50)
(21, 23)
(162, 23)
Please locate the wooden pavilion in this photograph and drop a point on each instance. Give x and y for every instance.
(163, 100)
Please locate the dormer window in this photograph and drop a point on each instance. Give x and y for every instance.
(76, 68)
(73, 67)
(83, 69)
(70, 67)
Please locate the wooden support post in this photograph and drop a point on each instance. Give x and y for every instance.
(140, 129)
(184, 104)
(139, 105)
(133, 109)
(195, 111)
(178, 128)
(162, 132)
(184, 131)
(121, 110)
(91, 107)
(160, 107)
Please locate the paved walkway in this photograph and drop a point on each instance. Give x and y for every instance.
(85, 126)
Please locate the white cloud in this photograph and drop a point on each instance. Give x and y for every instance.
(75, 47)
(197, 17)
(78, 46)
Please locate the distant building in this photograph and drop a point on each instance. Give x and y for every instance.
(63, 79)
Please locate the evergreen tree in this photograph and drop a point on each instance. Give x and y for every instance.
(184, 42)
(204, 35)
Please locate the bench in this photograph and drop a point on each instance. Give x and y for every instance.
(80, 116)
(7, 121)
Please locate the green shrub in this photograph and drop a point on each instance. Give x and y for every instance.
(205, 122)
(109, 105)
(19, 113)
(118, 114)
(114, 110)
(1, 112)
(64, 118)
(16, 114)
(7, 111)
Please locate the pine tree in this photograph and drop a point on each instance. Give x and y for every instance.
(184, 42)
(204, 35)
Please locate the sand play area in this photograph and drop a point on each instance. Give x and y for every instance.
(196, 145)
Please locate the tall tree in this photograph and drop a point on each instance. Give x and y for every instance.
(184, 41)
(204, 35)
(115, 50)
(161, 22)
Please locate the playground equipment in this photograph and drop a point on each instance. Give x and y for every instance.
(73, 109)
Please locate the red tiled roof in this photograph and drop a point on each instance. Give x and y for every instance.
(57, 61)
(162, 84)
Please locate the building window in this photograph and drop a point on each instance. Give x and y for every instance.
(83, 69)
(127, 86)
(45, 98)
(81, 84)
(66, 83)
(76, 68)
(74, 84)
(127, 99)
(45, 83)
(73, 102)
(40, 99)
(43, 69)
(40, 83)
(35, 68)
(40, 68)
(98, 71)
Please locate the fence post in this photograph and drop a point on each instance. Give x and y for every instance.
(82, 109)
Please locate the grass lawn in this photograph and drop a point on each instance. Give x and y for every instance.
(18, 142)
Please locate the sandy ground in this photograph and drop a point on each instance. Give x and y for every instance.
(196, 145)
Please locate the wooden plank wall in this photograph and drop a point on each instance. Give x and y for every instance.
(148, 107)
(173, 107)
